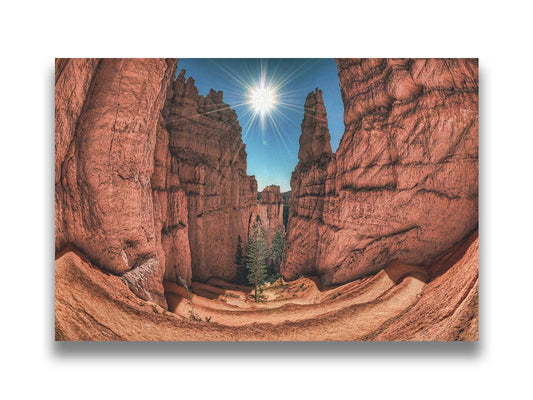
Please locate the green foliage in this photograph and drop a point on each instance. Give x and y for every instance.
(240, 262)
(285, 214)
(257, 257)
(276, 255)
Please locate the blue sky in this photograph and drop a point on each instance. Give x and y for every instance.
(272, 145)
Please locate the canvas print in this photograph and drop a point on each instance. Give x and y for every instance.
(266, 199)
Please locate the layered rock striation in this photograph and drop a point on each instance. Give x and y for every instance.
(209, 158)
(404, 182)
(151, 179)
(309, 194)
(270, 211)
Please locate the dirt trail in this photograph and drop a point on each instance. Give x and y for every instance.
(398, 303)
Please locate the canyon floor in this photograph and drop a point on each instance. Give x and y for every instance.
(401, 302)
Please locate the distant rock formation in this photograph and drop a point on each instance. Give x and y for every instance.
(270, 211)
(403, 183)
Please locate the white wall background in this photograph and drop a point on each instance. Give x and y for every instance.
(33, 33)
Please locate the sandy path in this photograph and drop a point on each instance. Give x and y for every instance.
(394, 304)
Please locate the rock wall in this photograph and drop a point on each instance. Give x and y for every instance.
(170, 211)
(404, 181)
(107, 112)
(309, 195)
(209, 158)
(270, 211)
(151, 179)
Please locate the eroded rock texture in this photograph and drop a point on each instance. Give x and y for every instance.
(151, 179)
(270, 211)
(403, 183)
(209, 158)
(309, 195)
(107, 112)
(170, 211)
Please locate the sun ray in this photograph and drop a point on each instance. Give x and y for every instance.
(280, 135)
(233, 76)
(264, 99)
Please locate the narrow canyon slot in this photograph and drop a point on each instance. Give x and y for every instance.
(295, 200)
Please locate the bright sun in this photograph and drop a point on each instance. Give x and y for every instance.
(262, 99)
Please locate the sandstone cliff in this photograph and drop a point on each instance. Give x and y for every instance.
(209, 158)
(403, 183)
(151, 179)
(308, 197)
(107, 113)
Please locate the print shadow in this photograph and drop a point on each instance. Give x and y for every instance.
(244, 350)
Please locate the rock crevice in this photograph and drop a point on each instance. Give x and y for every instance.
(208, 157)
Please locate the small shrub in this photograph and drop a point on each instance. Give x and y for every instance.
(192, 314)
(194, 317)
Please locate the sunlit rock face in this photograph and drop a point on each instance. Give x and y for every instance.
(107, 115)
(209, 158)
(270, 211)
(151, 179)
(403, 183)
(308, 197)
(315, 138)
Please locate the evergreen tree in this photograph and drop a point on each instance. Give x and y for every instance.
(240, 262)
(276, 254)
(257, 257)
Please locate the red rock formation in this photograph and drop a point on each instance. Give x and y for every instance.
(315, 138)
(403, 183)
(107, 113)
(209, 157)
(170, 212)
(448, 306)
(308, 183)
(147, 188)
(270, 211)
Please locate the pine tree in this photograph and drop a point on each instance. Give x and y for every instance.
(276, 254)
(257, 257)
(240, 262)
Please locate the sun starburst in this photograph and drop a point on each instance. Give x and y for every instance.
(262, 99)
(265, 95)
